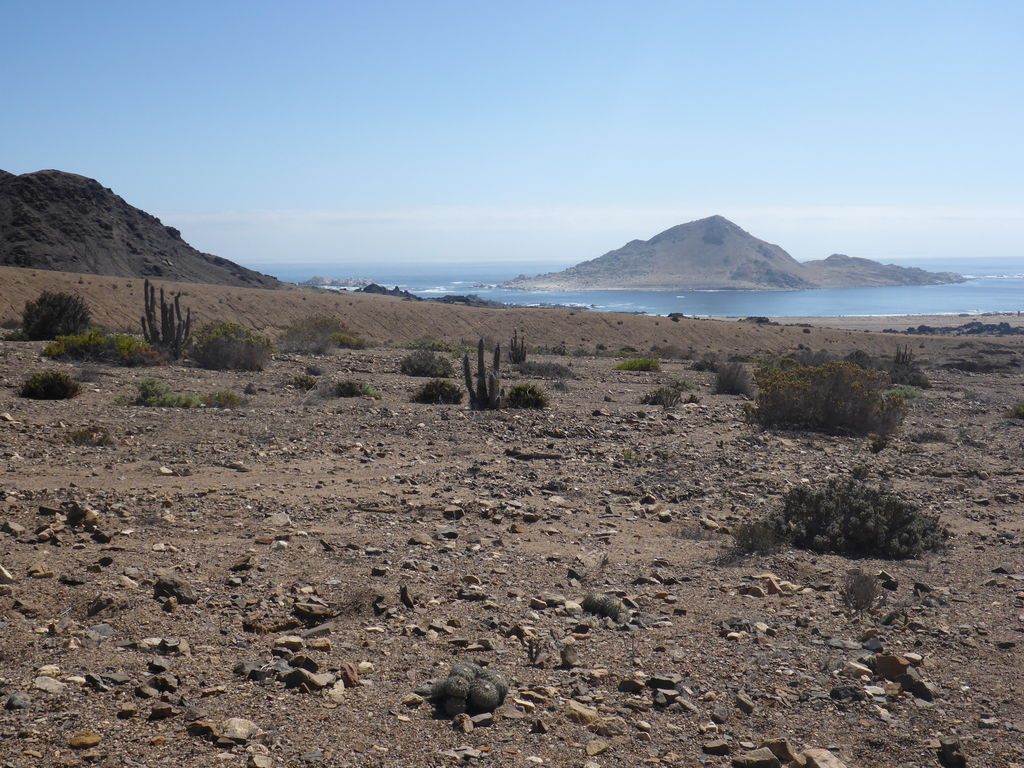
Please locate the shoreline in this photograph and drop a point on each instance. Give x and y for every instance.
(899, 322)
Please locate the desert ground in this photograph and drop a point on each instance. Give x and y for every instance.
(273, 584)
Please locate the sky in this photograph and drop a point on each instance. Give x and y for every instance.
(355, 133)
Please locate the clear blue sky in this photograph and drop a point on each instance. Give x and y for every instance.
(357, 132)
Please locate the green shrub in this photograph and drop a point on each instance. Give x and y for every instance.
(1017, 411)
(707, 364)
(639, 364)
(54, 314)
(315, 334)
(347, 341)
(733, 379)
(98, 347)
(837, 397)
(666, 397)
(438, 391)
(94, 436)
(50, 385)
(907, 393)
(229, 346)
(349, 388)
(223, 399)
(425, 363)
(526, 396)
(305, 382)
(850, 518)
(541, 370)
(904, 369)
(436, 345)
(156, 394)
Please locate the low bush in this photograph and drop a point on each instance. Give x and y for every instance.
(666, 397)
(223, 399)
(438, 391)
(1017, 411)
(860, 591)
(907, 393)
(733, 379)
(427, 364)
(756, 537)
(706, 364)
(50, 385)
(526, 396)
(156, 394)
(349, 388)
(541, 370)
(229, 346)
(639, 364)
(928, 436)
(837, 397)
(54, 314)
(850, 518)
(436, 345)
(94, 436)
(95, 346)
(305, 382)
(316, 334)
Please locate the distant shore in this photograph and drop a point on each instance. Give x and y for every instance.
(899, 322)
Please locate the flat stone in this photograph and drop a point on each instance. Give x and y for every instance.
(84, 741)
(239, 729)
(890, 666)
(757, 758)
(581, 713)
(717, 747)
(18, 701)
(821, 758)
(169, 584)
(596, 747)
(48, 684)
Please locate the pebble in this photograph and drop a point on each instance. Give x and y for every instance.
(83, 741)
(239, 729)
(18, 701)
(48, 684)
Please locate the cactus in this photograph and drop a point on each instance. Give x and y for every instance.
(486, 394)
(517, 349)
(173, 331)
(469, 688)
(605, 606)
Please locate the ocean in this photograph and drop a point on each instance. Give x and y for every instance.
(994, 285)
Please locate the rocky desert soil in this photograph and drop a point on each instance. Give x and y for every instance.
(274, 584)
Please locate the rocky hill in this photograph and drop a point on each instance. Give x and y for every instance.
(69, 223)
(714, 253)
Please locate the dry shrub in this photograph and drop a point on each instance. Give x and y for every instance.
(54, 314)
(733, 379)
(835, 398)
(860, 591)
(50, 385)
(425, 363)
(229, 346)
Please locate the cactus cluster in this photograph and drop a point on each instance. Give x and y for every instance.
(469, 688)
(606, 606)
(485, 394)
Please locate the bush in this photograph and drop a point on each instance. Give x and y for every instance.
(859, 591)
(97, 347)
(850, 518)
(94, 436)
(526, 396)
(1017, 411)
(305, 382)
(223, 399)
(545, 370)
(54, 314)
(349, 388)
(316, 334)
(836, 397)
(639, 364)
(666, 397)
(438, 391)
(425, 363)
(229, 346)
(156, 394)
(708, 364)
(904, 369)
(907, 393)
(50, 385)
(733, 379)
(347, 341)
(755, 538)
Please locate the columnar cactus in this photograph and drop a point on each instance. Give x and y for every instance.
(172, 333)
(486, 394)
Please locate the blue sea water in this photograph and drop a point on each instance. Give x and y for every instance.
(994, 285)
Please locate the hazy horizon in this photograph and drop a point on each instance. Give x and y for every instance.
(538, 132)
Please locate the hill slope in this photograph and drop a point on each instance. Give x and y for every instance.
(70, 223)
(714, 253)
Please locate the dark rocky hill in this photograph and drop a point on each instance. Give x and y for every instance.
(70, 223)
(714, 253)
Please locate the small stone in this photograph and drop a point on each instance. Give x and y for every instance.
(716, 747)
(463, 723)
(48, 684)
(170, 585)
(337, 692)
(5, 576)
(890, 666)
(781, 748)
(83, 741)
(745, 703)
(18, 701)
(596, 747)
(757, 758)
(239, 729)
(821, 758)
(580, 713)
(260, 761)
